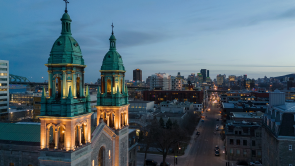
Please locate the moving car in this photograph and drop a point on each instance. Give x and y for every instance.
(256, 163)
(167, 164)
(216, 153)
(150, 162)
(216, 148)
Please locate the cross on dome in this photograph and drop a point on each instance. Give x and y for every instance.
(112, 28)
(66, 2)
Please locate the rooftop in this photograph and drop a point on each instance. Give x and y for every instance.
(140, 101)
(168, 114)
(24, 132)
(287, 107)
(257, 115)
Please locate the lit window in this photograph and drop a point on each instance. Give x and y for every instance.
(109, 154)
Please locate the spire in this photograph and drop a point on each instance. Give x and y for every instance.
(112, 40)
(70, 93)
(66, 22)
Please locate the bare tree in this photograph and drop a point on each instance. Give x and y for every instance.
(148, 136)
(167, 139)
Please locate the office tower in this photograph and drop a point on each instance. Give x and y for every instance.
(203, 72)
(4, 87)
(137, 75)
(208, 73)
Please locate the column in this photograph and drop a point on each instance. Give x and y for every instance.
(65, 142)
(74, 83)
(53, 87)
(112, 120)
(83, 85)
(108, 120)
(64, 84)
(85, 133)
(125, 116)
(56, 138)
(117, 119)
(50, 83)
(81, 88)
(79, 132)
(47, 137)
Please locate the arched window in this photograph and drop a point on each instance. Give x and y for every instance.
(102, 85)
(67, 27)
(101, 155)
(58, 87)
(109, 86)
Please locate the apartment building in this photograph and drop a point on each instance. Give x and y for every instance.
(4, 87)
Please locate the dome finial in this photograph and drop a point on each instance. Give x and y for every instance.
(112, 29)
(66, 2)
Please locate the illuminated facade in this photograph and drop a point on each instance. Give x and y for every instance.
(66, 134)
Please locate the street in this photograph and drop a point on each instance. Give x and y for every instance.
(201, 150)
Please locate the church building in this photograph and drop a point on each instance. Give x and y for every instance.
(65, 136)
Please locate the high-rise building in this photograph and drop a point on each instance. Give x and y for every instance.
(203, 72)
(160, 81)
(191, 78)
(137, 75)
(176, 83)
(220, 79)
(208, 73)
(4, 87)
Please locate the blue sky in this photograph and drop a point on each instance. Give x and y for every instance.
(236, 37)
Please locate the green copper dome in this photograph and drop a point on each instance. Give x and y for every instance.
(112, 60)
(66, 49)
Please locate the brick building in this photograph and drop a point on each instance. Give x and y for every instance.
(181, 96)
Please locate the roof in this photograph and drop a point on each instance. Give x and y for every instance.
(112, 60)
(140, 101)
(287, 107)
(24, 132)
(228, 105)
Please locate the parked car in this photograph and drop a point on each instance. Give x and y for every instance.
(167, 164)
(202, 120)
(216, 148)
(150, 162)
(217, 119)
(256, 163)
(198, 133)
(216, 153)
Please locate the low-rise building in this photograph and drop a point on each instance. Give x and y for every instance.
(174, 106)
(178, 117)
(141, 107)
(198, 107)
(247, 116)
(243, 141)
(182, 96)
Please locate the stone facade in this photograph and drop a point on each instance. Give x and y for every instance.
(243, 142)
(18, 154)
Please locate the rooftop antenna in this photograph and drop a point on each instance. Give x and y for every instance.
(66, 2)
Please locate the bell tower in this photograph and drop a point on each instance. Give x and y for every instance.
(66, 113)
(112, 100)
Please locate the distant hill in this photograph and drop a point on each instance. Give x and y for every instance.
(288, 75)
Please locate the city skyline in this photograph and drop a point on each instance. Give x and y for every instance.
(155, 37)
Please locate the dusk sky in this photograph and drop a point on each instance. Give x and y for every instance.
(232, 37)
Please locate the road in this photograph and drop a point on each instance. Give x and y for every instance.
(201, 152)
